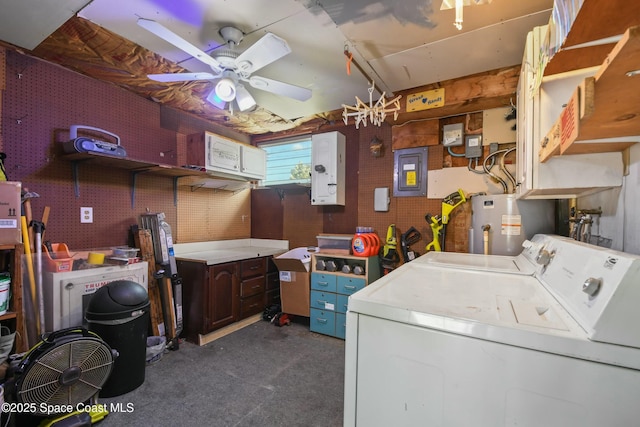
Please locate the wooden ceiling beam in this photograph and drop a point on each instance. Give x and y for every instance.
(477, 92)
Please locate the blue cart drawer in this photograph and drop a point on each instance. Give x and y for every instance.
(341, 325)
(323, 300)
(323, 282)
(322, 321)
(341, 303)
(349, 285)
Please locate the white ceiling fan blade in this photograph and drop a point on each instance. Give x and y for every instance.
(280, 88)
(171, 37)
(181, 77)
(268, 49)
(244, 99)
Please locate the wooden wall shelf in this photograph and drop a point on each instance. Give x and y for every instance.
(136, 167)
(603, 115)
(596, 20)
(15, 307)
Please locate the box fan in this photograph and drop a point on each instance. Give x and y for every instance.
(64, 370)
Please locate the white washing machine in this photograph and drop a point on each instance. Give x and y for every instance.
(523, 263)
(439, 345)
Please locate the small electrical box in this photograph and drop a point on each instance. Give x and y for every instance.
(452, 135)
(381, 199)
(473, 146)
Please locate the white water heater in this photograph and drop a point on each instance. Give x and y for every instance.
(508, 221)
(328, 168)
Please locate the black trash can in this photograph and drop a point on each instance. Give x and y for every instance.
(119, 313)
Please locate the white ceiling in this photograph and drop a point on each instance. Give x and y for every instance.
(400, 44)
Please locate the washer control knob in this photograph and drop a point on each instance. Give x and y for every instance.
(591, 286)
(543, 257)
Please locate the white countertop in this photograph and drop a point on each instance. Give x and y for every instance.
(221, 251)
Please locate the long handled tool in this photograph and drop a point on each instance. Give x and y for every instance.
(38, 228)
(29, 261)
(438, 224)
(25, 219)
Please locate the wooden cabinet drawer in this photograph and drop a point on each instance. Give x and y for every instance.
(349, 285)
(271, 266)
(272, 297)
(252, 305)
(272, 281)
(322, 321)
(323, 282)
(323, 300)
(252, 267)
(250, 287)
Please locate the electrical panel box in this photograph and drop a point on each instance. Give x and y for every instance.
(410, 172)
(473, 146)
(328, 168)
(452, 135)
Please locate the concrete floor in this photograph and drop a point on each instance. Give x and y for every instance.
(261, 375)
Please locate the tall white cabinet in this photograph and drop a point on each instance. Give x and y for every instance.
(328, 168)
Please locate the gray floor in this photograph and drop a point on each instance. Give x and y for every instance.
(261, 375)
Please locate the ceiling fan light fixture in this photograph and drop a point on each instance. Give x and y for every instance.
(226, 89)
(214, 100)
(244, 99)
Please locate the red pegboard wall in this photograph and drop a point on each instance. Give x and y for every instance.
(404, 212)
(42, 100)
(40, 103)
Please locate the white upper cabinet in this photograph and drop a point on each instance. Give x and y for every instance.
(225, 157)
(253, 161)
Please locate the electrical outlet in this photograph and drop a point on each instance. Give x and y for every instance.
(86, 215)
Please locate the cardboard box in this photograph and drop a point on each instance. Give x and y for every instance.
(294, 281)
(10, 211)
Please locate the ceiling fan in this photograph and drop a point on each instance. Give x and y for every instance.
(231, 68)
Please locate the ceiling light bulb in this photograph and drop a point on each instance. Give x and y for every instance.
(226, 89)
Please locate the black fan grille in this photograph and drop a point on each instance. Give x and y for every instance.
(42, 384)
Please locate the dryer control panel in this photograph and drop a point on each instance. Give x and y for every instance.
(598, 287)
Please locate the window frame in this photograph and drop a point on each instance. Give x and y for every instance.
(287, 141)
